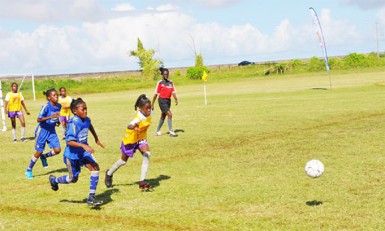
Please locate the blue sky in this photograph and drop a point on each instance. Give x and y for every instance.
(72, 36)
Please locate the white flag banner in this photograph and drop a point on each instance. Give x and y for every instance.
(320, 36)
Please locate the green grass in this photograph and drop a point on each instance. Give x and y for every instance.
(238, 165)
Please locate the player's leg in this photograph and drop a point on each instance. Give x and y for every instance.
(127, 151)
(73, 167)
(169, 123)
(163, 105)
(22, 123)
(145, 150)
(90, 162)
(11, 115)
(64, 121)
(32, 162)
(54, 144)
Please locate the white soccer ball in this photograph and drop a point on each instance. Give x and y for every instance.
(314, 168)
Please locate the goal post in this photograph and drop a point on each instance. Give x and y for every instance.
(22, 77)
(2, 109)
(15, 78)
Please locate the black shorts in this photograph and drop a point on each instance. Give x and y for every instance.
(164, 104)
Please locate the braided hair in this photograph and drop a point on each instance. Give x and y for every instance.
(141, 101)
(48, 92)
(75, 103)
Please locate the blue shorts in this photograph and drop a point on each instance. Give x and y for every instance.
(73, 166)
(45, 136)
(130, 149)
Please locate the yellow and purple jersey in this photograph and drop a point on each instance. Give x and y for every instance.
(65, 103)
(14, 101)
(135, 135)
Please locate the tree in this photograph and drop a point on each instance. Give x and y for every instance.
(148, 64)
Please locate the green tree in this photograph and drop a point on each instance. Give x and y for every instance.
(147, 63)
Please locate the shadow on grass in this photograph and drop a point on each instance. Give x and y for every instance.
(61, 170)
(105, 197)
(154, 182)
(30, 138)
(176, 131)
(320, 88)
(314, 203)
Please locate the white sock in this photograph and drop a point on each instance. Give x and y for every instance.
(14, 133)
(22, 132)
(116, 166)
(64, 130)
(145, 163)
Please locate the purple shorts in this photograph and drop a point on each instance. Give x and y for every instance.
(64, 119)
(130, 149)
(15, 114)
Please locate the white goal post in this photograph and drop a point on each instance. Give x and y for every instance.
(9, 77)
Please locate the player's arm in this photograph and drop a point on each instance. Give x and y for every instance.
(153, 101)
(176, 98)
(134, 125)
(6, 107)
(25, 108)
(93, 132)
(43, 115)
(75, 144)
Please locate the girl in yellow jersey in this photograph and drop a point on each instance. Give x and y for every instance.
(14, 101)
(65, 112)
(135, 139)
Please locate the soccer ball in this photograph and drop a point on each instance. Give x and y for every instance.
(314, 168)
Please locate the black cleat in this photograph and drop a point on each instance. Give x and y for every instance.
(108, 180)
(93, 202)
(52, 181)
(144, 185)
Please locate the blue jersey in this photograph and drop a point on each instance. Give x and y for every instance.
(77, 130)
(48, 110)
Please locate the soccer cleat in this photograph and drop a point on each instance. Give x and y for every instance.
(158, 133)
(91, 200)
(44, 161)
(144, 185)
(173, 134)
(23, 139)
(108, 180)
(28, 174)
(14, 140)
(52, 181)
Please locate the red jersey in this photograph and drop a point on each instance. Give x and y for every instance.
(164, 89)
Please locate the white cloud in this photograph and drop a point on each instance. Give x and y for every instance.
(367, 4)
(123, 7)
(104, 45)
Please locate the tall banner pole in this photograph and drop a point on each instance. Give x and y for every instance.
(320, 35)
(2, 109)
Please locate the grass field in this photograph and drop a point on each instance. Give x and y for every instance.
(238, 163)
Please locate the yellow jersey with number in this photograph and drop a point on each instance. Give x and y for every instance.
(140, 133)
(65, 104)
(14, 101)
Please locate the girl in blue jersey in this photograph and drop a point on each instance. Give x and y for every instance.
(45, 132)
(78, 152)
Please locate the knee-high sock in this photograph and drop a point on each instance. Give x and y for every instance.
(64, 130)
(63, 179)
(22, 132)
(145, 163)
(94, 179)
(48, 154)
(32, 163)
(14, 133)
(169, 122)
(160, 125)
(116, 166)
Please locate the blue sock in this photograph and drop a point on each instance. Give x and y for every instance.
(94, 179)
(31, 163)
(169, 122)
(63, 180)
(48, 154)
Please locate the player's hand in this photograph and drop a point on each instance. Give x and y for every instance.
(28, 113)
(176, 102)
(99, 143)
(57, 124)
(152, 107)
(88, 149)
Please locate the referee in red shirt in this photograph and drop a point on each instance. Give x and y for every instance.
(165, 89)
